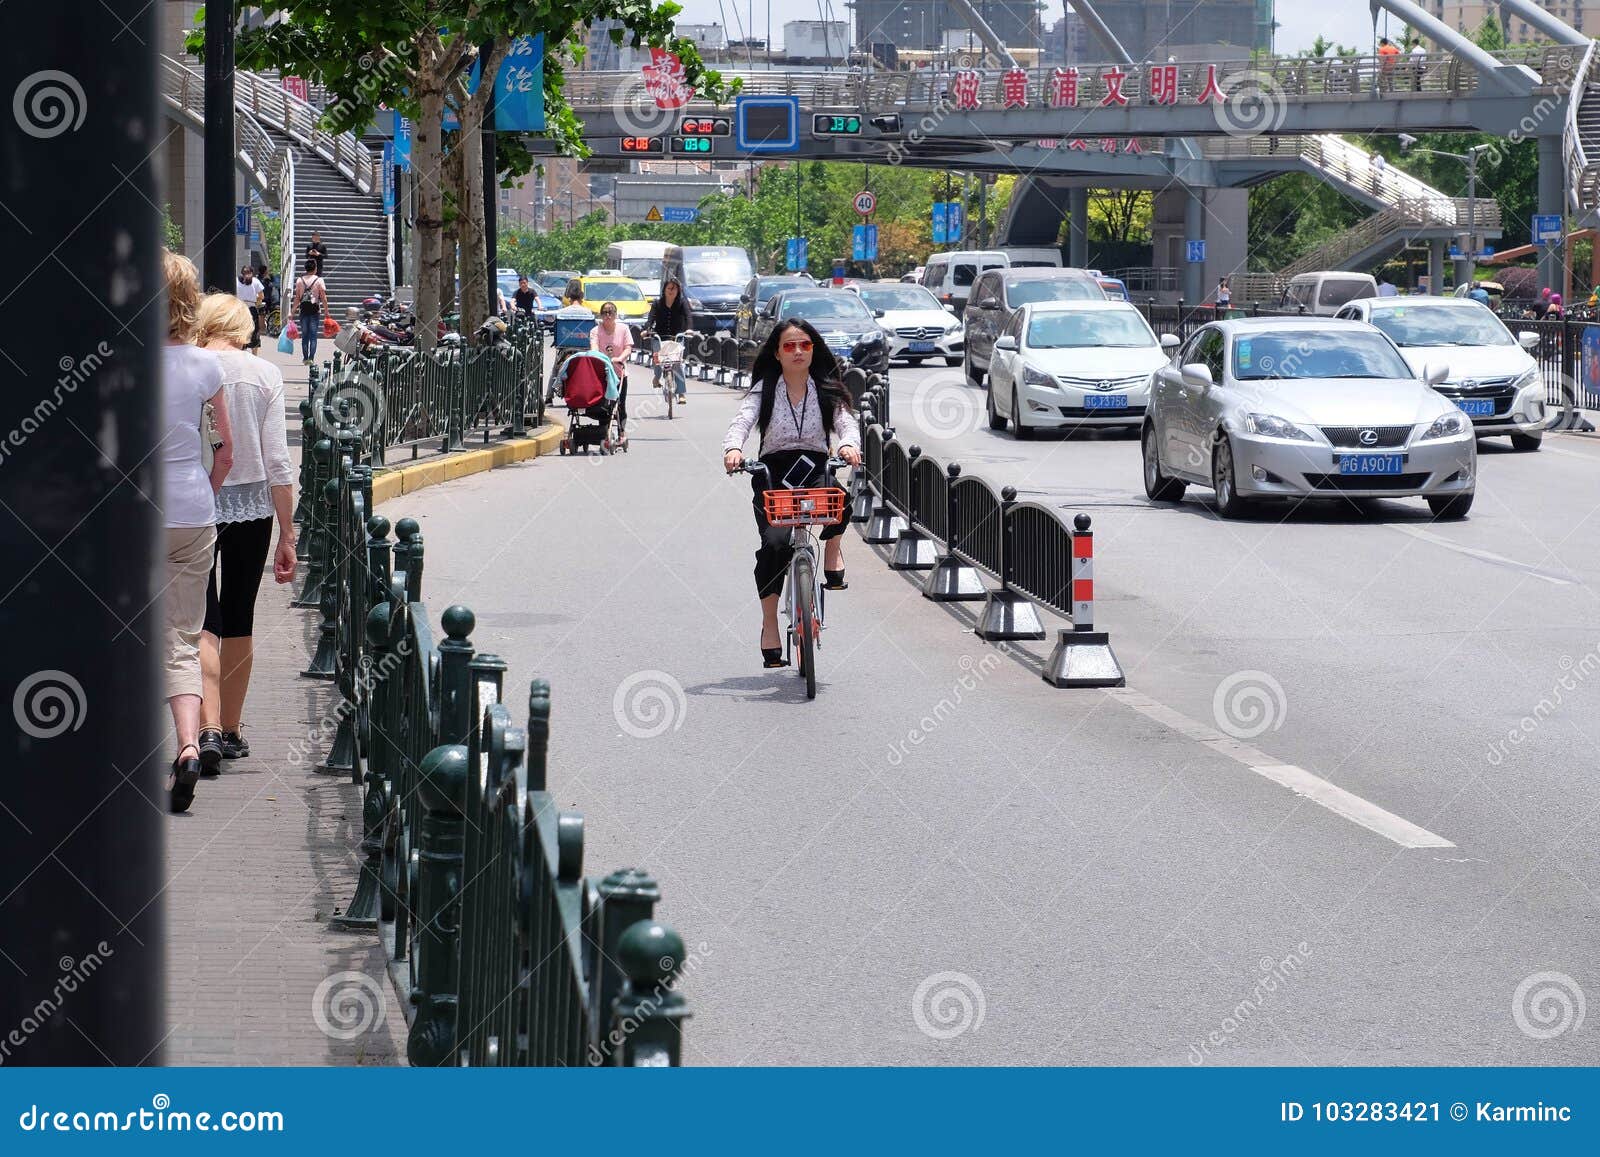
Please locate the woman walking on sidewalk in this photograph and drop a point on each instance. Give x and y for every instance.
(798, 402)
(310, 297)
(191, 385)
(258, 489)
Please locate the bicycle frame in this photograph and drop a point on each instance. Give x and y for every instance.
(803, 542)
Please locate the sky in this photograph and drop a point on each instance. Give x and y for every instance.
(1344, 21)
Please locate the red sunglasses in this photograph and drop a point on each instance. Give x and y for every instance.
(802, 344)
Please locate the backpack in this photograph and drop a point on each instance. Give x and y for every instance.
(309, 302)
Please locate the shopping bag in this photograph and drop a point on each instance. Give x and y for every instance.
(293, 330)
(285, 342)
(330, 328)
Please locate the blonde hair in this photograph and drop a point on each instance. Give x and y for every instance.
(183, 294)
(222, 315)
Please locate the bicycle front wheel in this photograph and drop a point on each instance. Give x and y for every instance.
(805, 620)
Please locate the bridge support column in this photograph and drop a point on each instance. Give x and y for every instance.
(1552, 199)
(219, 247)
(1436, 252)
(1078, 228)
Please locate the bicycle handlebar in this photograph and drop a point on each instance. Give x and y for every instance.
(757, 466)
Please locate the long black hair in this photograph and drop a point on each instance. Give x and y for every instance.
(675, 312)
(767, 371)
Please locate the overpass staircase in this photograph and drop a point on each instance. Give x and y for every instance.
(317, 180)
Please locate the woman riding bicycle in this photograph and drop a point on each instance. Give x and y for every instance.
(798, 401)
(669, 317)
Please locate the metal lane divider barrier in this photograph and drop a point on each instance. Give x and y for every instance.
(504, 951)
(909, 500)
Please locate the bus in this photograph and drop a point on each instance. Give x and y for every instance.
(640, 260)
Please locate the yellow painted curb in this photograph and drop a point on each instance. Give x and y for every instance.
(392, 483)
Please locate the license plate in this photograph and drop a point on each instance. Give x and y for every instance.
(1477, 407)
(1105, 401)
(724, 323)
(1371, 463)
(920, 347)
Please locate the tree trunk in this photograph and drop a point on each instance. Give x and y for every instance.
(477, 279)
(427, 154)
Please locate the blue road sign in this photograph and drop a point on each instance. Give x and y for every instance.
(682, 214)
(1546, 228)
(402, 143)
(1197, 251)
(241, 220)
(388, 178)
(767, 124)
(941, 223)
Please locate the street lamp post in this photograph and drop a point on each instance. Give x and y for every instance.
(1468, 260)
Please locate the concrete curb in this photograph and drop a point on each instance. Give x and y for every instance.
(387, 484)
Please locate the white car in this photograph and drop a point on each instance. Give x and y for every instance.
(1491, 376)
(1059, 364)
(917, 325)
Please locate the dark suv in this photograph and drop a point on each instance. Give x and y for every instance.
(758, 291)
(998, 292)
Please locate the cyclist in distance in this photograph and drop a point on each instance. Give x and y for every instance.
(798, 402)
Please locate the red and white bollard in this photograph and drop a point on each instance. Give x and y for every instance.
(1082, 656)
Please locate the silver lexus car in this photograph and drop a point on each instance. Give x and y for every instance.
(1286, 407)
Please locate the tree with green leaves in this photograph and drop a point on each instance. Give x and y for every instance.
(415, 57)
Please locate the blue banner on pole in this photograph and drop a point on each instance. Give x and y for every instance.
(388, 178)
(955, 221)
(796, 253)
(241, 220)
(864, 243)
(402, 143)
(941, 223)
(519, 87)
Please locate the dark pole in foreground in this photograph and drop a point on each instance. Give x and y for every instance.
(217, 264)
(82, 801)
(491, 172)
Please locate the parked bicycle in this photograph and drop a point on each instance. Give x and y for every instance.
(801, 509)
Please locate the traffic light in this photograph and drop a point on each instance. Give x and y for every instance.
(648, 146)
(887, 124)
(691, 146)
(825, 124)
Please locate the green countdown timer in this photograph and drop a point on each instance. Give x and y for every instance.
(691, 146)
(835, 125)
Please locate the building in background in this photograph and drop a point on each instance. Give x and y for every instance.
(1186, 29)
(816, 40)
(924, 26)
(1467, 15)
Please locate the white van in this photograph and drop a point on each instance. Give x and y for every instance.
(950, 276)
(1326, 293)
(640, 260)
(1033, 257)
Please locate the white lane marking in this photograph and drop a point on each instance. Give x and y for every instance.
(1297, 779)
(1485, 555)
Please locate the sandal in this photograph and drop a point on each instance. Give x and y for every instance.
(180, 785)
(834, 580)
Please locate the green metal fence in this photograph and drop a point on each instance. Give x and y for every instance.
(402, 398)
(471, 874)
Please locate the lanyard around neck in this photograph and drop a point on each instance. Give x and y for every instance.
(800, 418)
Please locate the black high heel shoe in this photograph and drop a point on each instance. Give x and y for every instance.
(773, 657)
(833, 580)
(180, 784)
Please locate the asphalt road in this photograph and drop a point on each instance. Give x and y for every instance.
(943, 860)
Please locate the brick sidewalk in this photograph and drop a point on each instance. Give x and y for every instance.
(268, 852)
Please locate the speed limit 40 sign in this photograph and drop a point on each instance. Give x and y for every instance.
(866, 202)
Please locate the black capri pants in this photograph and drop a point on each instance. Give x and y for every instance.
(774, 552)
(241, 551)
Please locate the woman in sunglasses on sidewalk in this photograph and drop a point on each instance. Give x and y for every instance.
(798, 402)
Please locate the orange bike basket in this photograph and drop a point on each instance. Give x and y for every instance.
(815, 506)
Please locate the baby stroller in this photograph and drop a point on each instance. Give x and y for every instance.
(588, 385)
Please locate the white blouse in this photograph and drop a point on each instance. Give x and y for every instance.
(254, 391)
(791, 427)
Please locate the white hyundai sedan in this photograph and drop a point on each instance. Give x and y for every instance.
(1491, 376)
(1304, 408)
(1071, 364)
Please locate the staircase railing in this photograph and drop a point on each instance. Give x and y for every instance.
(1343, 246)
(1583, 174)
(283, 111)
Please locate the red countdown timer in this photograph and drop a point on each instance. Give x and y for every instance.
(650, 145)
(705, 127)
